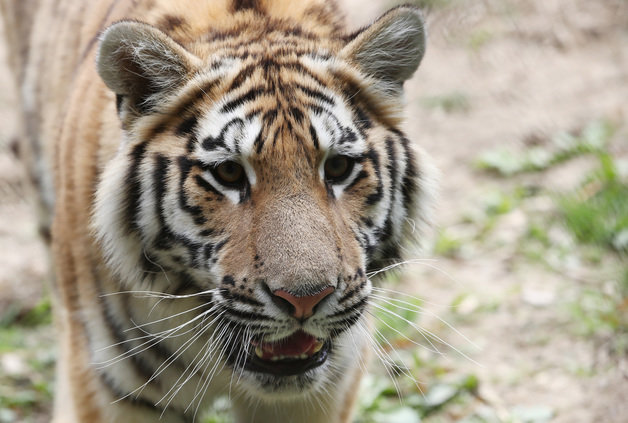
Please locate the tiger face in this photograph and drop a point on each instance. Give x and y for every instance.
(257, 185)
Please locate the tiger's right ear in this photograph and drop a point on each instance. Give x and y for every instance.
(390, 49)
(139, 62)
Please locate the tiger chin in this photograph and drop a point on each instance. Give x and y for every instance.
(221, 176)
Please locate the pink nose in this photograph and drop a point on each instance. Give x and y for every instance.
(303, 307)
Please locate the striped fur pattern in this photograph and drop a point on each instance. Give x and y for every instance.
(196, 174)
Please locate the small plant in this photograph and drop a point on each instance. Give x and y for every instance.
(454, 102)
(447, 245)
(564, 146)
(603, 314)
(598, 212)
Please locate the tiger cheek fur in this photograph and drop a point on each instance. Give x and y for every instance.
(224, 179)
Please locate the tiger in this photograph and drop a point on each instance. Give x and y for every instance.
(216, 180)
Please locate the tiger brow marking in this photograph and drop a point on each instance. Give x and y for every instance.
(170, 22)
(243, 76)
(252, 94)
(182, 106)
(313, 93)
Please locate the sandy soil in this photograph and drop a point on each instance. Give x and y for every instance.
(528, 69)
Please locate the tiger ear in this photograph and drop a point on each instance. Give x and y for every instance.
(389, 50)
(141, 63)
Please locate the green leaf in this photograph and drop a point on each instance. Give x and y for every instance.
(440, 394)
(533, 414)
(398, 415)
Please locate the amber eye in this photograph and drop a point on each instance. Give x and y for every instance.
(338, 168)
(230, 174)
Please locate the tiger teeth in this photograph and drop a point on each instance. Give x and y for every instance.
(303, 356)
(317, 347)
(259, 352)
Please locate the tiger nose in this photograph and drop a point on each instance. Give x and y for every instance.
(300, 307)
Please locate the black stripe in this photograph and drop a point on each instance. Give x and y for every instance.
(296, 114)
(185, 282)
(160, 178)
(314, 137)
(239, 5)
(211, 143)
(248, 316)
(243, 76)
(347, 136)
(362, 122)
(136, 400)
(185, 166)
(132, 200)
(247, 96)
(349, 294)
(201, 182)
(259, 142)
(145, 372)
(235, 297)
(187, 127)
(352, 308)
(379, 192)
(312, 93)
(119, 100)
(387, 230)
(361, 175)
(409, 185)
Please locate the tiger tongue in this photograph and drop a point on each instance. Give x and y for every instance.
(296, 344)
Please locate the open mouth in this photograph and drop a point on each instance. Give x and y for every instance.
(290, 356)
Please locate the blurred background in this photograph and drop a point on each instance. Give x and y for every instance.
(519, 310)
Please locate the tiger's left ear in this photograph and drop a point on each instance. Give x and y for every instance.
(390, 50)
(139, 62)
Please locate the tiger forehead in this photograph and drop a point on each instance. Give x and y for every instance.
(273, 125)
(232, 21)
(273, 108)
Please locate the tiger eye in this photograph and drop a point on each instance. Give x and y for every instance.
(338, 168)
(229, 173)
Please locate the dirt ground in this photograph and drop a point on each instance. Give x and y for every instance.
(518, 72)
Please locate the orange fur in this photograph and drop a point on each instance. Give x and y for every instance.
(72, 132)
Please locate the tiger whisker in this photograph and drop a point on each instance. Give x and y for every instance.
(208, 354)
(426, 332)
(380, 355)
(414, 307)
(207, 382)
(399, 263)
(388, 291)
(404, 370)
(205, 351)
(168, 317)
(173, 357)
(158, 294)
(434, 349)
(153, 342)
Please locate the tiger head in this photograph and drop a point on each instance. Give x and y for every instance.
(262, 174)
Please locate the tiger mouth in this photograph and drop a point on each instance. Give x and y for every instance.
(290, 356)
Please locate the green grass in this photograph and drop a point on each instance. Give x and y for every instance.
(25, 342)
(594, 216)
(598, 212)
(593, 139)
(603, 315)
(453, 102)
